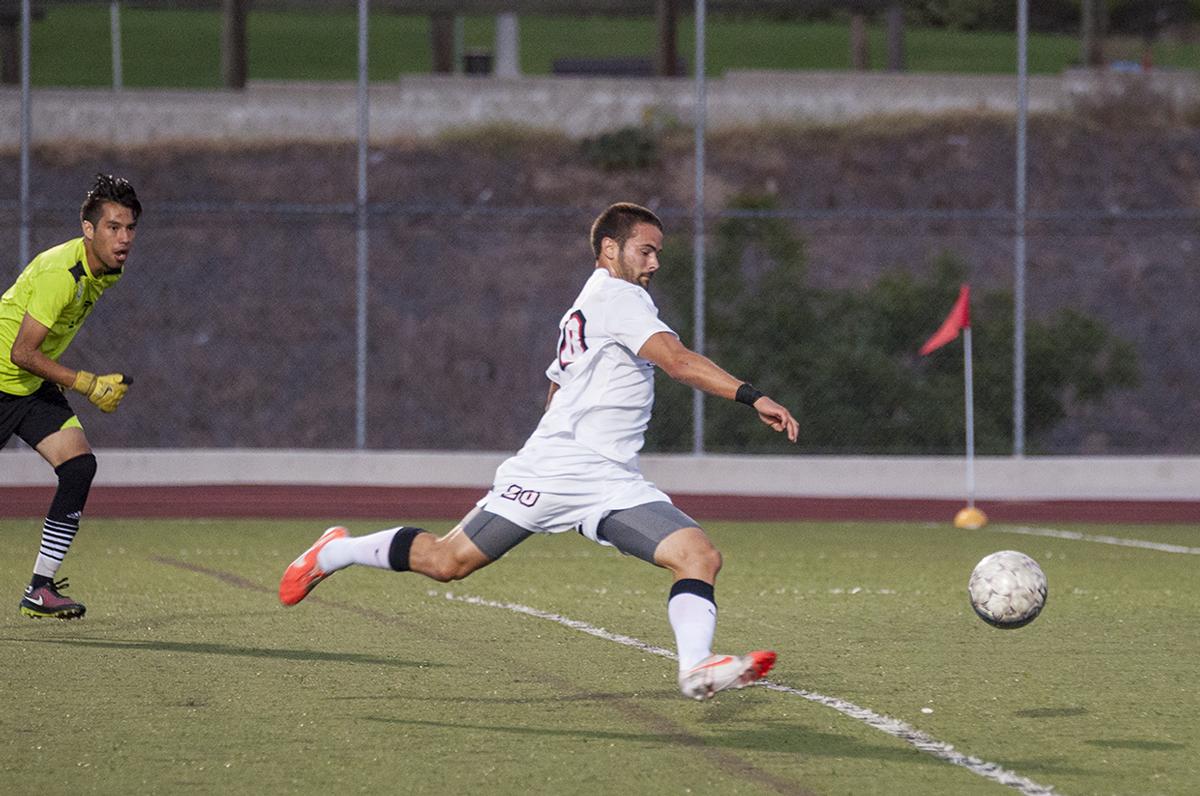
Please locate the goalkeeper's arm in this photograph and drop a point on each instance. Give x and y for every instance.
(104, 391)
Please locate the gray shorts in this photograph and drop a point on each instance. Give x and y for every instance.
(634, 531)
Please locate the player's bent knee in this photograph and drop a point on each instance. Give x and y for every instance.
(689, 553)
(77, 472)
(450, 565)
(449, 570)
(710, 559)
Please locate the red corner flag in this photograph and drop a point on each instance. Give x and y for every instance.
(958, 319)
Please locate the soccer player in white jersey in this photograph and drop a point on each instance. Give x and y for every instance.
(579, 468)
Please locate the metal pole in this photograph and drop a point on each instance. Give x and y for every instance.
(360, 206)
(26, 136)
(1019, 266)
(698, 226)
(969, 389)
(114, 28)
(459, 39)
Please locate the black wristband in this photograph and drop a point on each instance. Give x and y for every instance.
(747, 394)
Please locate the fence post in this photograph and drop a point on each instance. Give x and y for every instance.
(1019, 231)
(114, 30)
(233, 43)
(361, 239)
(700, 123)
(26, 135)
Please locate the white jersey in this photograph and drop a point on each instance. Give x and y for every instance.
(580, 463)
(605, 390)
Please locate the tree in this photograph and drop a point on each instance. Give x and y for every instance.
(1092, 23)
(846, 360)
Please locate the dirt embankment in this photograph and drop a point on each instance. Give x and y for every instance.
(238, 312)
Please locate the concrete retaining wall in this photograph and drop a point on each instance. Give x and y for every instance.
(426, 105)
(997, 478)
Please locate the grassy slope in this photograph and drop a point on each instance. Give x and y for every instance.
(200, 680)
(181, 47)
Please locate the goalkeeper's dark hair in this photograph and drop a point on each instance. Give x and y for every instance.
(617, 222)
(108, 188)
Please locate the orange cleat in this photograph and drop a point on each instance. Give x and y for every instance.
(303, 574)
(721, 672)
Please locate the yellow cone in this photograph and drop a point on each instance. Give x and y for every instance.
(970, 518)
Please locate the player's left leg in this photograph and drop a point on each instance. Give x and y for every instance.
(66, 449)
(480, 539)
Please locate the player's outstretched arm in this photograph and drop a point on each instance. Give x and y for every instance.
(696, 370)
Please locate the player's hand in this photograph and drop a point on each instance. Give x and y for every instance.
(104, 391)
(777, 417)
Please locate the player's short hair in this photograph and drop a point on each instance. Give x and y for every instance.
(617, 222)
(108, 188)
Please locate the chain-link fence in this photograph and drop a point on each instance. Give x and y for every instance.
(831, 255)
(237, 319)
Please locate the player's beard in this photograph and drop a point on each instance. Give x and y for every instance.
(631, 275)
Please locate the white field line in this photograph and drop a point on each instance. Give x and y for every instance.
(887, 724)
(1099, 539)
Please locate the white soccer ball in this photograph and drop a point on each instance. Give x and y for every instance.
(1007, 589)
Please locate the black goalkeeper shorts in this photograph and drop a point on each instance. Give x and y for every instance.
(34, 417)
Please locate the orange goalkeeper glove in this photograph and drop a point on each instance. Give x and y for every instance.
(104, 391)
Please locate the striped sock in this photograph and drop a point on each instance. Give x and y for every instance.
(57, 536)
(62, 520)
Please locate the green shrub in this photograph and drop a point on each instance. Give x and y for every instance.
(846, 362)
(627, 148)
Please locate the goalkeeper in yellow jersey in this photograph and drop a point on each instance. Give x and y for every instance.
(39, 317)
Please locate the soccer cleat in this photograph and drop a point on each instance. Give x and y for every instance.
(45, 602)
(303, 574)
(720, 672)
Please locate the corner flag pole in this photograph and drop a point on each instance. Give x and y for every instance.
(970, 400)
(959, 320)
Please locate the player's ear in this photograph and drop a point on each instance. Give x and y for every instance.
(89, 230)
(609, 248)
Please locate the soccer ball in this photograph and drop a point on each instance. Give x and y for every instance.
(1007, 589)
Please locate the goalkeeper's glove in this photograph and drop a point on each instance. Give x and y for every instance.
(104, 391)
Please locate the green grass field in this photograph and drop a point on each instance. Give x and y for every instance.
(179, 47)
(187, 676)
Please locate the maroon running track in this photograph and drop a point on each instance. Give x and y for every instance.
(335, 502)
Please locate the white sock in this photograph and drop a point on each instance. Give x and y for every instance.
(370, 551)
(694, 620)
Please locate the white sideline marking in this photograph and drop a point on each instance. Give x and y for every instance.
(1100, 539)
(887, 724)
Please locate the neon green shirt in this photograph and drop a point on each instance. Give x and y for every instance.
(58, 291)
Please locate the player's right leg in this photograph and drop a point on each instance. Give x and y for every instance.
(480, 539)
(660, 533)
(692, 611)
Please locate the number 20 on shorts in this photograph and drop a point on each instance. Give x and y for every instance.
(526, 497)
